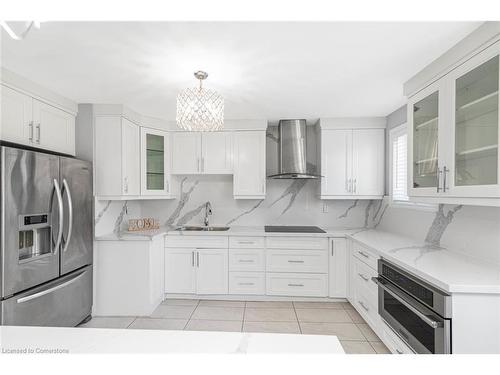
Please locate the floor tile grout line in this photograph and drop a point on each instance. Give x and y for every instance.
(297, 317)
(243, 320)
(190, 316)
(132, 322)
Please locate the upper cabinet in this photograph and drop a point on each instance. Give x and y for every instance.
(155, 166)
(454, 134)
(28, 121)
(352, 162)
(249, 179)
(202, 153)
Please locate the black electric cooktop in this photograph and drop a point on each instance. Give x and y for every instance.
(292, 229)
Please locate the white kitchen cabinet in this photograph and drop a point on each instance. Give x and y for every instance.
(54, 129)
(338, 268)
(202, 153)
(212, 271)
(352, 163)
(31, 122)
(217, 153)
(249, 179)
(186, 153)
(17, 112)
(155, 163)
(453, 135)
(180, 271)
(117, 158)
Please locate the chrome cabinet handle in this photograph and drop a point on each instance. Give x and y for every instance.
(355, 185)
(44, 292)
(30, 125)
(394, 293)
(246, 261)
(363, 254)
(246, 242)
(295, 261)
(192, 258)
(198, 259)
(347, 184)
(167, 185)
(445, 172)
(363, 306)
(203, 164)
(438, 176)
(199, 164)
(363, 277)
(38, 132)
(295, 284)
(399, 351)
(70, 213)
(125, 183)
(61, 216)
(350, 186)
(246, 283)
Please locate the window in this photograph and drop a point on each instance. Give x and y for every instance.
(398, 153)
(398, 141)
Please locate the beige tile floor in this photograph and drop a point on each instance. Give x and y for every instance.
(312, 318)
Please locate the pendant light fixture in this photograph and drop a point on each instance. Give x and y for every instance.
(200, 109)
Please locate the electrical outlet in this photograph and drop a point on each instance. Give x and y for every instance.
(325, 207)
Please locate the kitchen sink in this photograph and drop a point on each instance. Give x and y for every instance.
(203, 229)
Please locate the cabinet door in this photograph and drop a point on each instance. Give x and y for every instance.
(338, 268)
(217, 153)
(130, 158)
(249, 179)
(186, 153)
(54, 128)
(425, 120)
(368, 162)
(336, 162)
(155, 168)
(180, 270)
(16, 122)
(474, 170)
(212, 271)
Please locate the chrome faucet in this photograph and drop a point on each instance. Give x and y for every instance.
(208, 211)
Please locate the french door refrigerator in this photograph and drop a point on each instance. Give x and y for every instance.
(46, 239)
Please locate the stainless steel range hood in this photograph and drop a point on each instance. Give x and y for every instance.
(292, 162)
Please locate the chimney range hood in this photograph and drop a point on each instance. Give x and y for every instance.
(292, 163)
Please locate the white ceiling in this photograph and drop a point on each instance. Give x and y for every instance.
(264, 70)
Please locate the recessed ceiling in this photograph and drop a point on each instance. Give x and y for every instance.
(264, 70)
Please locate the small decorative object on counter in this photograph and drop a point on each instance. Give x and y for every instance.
(150, 223)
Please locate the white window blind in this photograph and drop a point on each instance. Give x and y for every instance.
(399, 164)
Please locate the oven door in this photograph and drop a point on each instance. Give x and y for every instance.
(421, 328)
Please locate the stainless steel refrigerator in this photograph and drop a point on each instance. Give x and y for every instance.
(46, 239)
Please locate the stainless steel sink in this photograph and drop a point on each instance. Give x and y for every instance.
(203, 229)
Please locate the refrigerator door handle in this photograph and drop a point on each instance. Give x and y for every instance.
(70, 213)
(61, 216)
(50, 290)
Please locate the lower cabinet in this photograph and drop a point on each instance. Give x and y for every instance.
(296, 284)
(247, 283)
(196, 271)
(338, 268)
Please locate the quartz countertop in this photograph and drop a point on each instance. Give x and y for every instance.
(448, 270)
(100, 340)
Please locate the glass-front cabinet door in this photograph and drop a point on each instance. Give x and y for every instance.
(475, 171)
(424, 121)
(155, 167)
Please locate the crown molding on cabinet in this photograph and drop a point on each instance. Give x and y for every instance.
(27, 87)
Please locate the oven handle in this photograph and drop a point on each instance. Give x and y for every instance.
(434, 324)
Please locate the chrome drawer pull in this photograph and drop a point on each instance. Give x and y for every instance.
(246, 261)
(295, 261)
(363, 306)
(363, 277)
(246, 283)
(246, 242)
(363, 254)
(295, 284)
(399, 351)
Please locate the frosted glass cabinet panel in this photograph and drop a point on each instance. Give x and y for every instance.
(425, 141)
(476, 126)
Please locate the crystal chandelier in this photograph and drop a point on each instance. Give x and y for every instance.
(200, 109)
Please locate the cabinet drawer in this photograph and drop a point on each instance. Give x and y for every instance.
(247, 283)
(367, 305)
(200, 242)
(296, 284)
(365, 255)
(296, 242)
(393, 342)
(246, 242)
(363, 277)
(311, 261)
(252, 260)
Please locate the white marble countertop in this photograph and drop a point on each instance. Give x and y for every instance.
(448, 270)
(99, 340)
(233, 231)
